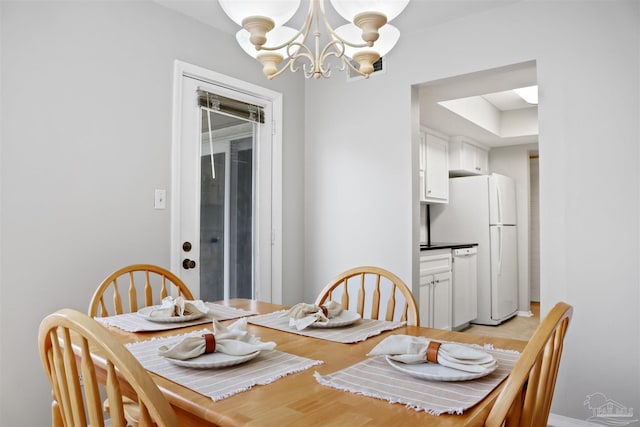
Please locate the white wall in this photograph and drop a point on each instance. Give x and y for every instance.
(513, 161)
(86, 138)
(361, 170)
(358, 197)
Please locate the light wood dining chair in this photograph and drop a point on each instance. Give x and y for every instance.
(74, 380)
(152, 281)
(370, 290)
(526, 397)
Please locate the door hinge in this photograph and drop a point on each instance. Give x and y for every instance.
(273, 127)
(273, 237)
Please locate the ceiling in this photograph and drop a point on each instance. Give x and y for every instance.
(418, 15)
(515, 121)
(493, 85)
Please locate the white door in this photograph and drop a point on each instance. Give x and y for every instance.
(504, 271)
(224, 243)
(426, 298)
(441, 303)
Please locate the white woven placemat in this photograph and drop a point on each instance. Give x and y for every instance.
(220, 383)
(374, 377)
(359, 331)
(133, 322)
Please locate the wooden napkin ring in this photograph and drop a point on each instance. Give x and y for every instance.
(432, 351)
(325, 310)
(210, 343)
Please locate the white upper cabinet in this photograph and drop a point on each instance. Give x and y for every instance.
(434, 167)
(467, 157)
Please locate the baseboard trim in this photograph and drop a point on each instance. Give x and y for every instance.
(525, 313)
(562, 421)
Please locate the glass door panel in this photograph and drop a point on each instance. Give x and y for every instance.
(212, 237)
(226, 208)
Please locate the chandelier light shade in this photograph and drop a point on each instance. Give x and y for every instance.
(365, 39)
(280, 11)
(348, 9)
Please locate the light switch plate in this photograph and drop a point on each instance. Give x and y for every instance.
(160, 199)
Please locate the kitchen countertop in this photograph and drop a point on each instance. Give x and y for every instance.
(439, 245)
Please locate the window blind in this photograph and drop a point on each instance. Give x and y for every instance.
(232, 107)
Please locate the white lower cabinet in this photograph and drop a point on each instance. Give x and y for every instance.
(435, 289)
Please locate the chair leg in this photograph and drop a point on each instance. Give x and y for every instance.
(56, 416)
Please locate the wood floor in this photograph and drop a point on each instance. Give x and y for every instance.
(519, 327)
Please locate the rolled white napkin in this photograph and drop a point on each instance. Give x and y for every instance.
(179, 307)
(233, 339)
(303, 315)
(410, 349)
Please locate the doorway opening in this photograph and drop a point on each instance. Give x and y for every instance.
(507, 130)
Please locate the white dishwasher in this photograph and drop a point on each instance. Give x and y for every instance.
(465, 286)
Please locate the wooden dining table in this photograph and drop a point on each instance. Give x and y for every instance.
(298, 399)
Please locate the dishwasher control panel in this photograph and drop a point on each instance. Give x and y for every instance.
(472, 250)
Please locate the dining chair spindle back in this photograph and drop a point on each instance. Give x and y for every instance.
(374, 293)
(74, 379)
(152, 281)
(525, 399)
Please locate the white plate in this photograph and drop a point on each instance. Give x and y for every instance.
(436, 372)
(213, 360)
(345, 318)
(146, 311)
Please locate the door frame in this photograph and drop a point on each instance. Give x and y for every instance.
(271, 291)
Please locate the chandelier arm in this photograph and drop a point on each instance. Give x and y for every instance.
(348, 43)
(303, 52)
(338, 47)
(317, 71)
(333, 48)
(323, 69)
(345, 63)
(291, 63)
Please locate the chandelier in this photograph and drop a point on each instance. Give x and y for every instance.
(357, 45)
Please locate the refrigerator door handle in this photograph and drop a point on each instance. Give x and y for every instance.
(500, 245)
(499, 197)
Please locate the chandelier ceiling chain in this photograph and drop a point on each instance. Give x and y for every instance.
(364, 40)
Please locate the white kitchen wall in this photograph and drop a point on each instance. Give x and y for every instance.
(513, 161)
(361, 170)
(86, 138)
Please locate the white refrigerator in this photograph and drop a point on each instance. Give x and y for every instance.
(482, 210)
